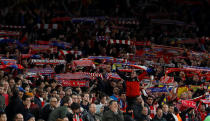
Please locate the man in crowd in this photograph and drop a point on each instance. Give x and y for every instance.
(113, 114)
(62, 111)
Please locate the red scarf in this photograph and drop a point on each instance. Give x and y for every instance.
(75, 117)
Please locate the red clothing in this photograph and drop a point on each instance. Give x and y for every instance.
(132, 89)
(6, 99)
(153, 111)
(203, 115)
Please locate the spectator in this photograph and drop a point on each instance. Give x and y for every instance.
(19, 117)
(3, 116)
(62, 111)
(113, 114)
(47, 109)
(91, 114)
(159, 115)
(2, 98)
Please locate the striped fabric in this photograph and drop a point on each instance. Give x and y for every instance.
(9, 33)
(12, 26)
(48, 26)
(125, 42)
(64, 52)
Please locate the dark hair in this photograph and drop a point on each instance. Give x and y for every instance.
(2, 113)
(25, 97)
(75, 106)
(65, 100)
(111, 102)
(1, 85)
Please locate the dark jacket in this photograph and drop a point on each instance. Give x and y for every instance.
(89, 117)
(60, 112)
(157, 119)
(137, 109)
(111, 116)
(24, 111)
(128, 117)
(168, 117)
(2, 103)
(45, 112)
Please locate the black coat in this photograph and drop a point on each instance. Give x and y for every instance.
(45, 112)
(128, 117)
(168, 117)
(88, 117)
(111, 116)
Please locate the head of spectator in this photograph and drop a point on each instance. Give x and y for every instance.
(139, 100)
(30, 118)
(79, 99)
(86, 97)
(123, 96)
(53, 83)
(59, 88)
(196, 78)
(21, 92)
(61, 94)
(78, 90)
(150, 100)
(159, 113)
(113, 106)
(103, 99)
(165, 108)
(3, 116)
(189, 94)
(203, 107)
(67, 101)
(171, 108)
(113, 83)
(74, 97)
(11, 83)
(26, 101)
(75, 107)
(184, 96)
(6, 86)
(1, 89)
(53, 102)
(92, 108)
(116, 91)
(133, 74)
(19, 117)
(68, 91)
(145, 111)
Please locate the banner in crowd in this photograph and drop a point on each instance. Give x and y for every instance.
(39, 48)
(8, 61)
(12, 26)
(167, 79)
(10, 33)
(34, 72)
(189, 104)
(74, 83)
(44, 62)
(125, 42)
(83, 63)
(78, 76)
(73, 52)
(30, 56)
(112, 76)
(107, 59)
(48, 26)
(160, 89)
(71, 76)
(159, 64)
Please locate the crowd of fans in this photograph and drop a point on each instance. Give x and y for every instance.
(83, 30)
